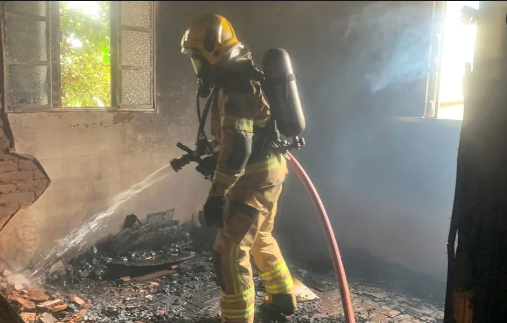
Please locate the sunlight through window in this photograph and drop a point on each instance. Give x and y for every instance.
(85, 53)
(457, 49)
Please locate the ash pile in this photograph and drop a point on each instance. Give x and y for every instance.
(138, 249)
(161, 271)
(156, 271)
(148, 272)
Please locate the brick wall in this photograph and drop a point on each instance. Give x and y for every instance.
(22, 178)
(22, 181)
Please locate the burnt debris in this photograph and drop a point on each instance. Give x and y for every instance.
(138, 249)
(161, 271)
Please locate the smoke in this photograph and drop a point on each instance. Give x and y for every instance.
(395, 38)
(388, 186)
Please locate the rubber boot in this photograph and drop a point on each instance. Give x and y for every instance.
(282, 303)
(276, 308)
(267, 314)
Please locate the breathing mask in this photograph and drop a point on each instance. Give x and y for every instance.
(204, 72)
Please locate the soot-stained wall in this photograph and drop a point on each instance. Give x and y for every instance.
(388, 185)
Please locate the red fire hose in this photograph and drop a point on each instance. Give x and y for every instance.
(330, 238)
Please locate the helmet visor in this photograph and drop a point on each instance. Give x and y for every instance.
(197, 64)
(195, 58)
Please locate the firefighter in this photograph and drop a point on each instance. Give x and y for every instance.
(248, 177)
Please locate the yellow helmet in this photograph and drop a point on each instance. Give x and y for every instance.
(212, 38)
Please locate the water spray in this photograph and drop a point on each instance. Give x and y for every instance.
(77, 238)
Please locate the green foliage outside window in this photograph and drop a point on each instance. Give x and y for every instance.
(85, 53)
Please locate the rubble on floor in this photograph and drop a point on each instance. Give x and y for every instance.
(160, 243)
(161, 271)
(371, 301)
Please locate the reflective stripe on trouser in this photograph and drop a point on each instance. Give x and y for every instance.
(248, 223)
(278, 280)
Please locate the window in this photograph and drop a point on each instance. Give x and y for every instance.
(85, 50)
(78, 55)
(451, 59)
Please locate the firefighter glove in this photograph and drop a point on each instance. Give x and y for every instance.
(213, 211)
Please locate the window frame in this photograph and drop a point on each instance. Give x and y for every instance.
(54, 68)
(432, 99)
(119, 68)
(6, 62)
(431, 103)
(429, 112)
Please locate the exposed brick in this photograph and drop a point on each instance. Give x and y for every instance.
(25, 156)
(8, 209)
(7, 188)
(8, 166)
(27, 165)
(16, 176)
(8, 157)
(23, 199)
(3, 222)
(4, 143)
(32, 185)
(37, 174)
(38, 193)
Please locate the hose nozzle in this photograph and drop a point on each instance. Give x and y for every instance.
(178, 163)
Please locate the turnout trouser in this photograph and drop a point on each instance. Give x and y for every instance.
(249, 217)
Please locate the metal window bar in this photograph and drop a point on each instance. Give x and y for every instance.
(114, 12)
(10, 15)
(434, 66)
(56, 74)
